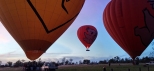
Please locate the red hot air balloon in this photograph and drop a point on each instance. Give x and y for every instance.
(131, 24)
(87, 35)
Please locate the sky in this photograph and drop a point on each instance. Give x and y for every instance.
(69, 46)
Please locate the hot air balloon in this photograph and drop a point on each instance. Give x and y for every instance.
(130, 23)
(37, 24)
(87, 35)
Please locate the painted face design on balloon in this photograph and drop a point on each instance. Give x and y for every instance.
(146, 33)
(64, 7)
(90, 35)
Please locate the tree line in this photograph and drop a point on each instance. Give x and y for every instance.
(65, 61)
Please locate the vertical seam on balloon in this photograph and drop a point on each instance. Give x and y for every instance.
(125, 40)
(37, 29)
(53, 13)
(11, 18)
(9, 13)
(126, 34)
(20, 22)
(113, 26)
(121, 6)
(108, 27)
(122, 39)
(26, 19)
(34, 27)
(131, 23)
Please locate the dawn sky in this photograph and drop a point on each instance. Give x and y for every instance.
(68, 45)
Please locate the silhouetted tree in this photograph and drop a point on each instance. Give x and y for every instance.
(112, 60)
(103, 62)
(0, 63)
(80, 62)
(18, 63)
(6, 65)
(71, 60)
(66, 62)
(86, 61)
(116, 59)
(122, 60)
(9, 64)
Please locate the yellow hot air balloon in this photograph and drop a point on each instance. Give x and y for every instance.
(37, 24)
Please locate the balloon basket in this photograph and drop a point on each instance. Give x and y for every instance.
(87, 50)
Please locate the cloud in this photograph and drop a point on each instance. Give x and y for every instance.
(50, 59)
(11, 54)
(56, 53)
(52, 55)
(80, 58)
(76, 58)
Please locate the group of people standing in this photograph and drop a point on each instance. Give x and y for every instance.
(32, 66)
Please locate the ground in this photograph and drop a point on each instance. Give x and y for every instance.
(115, 67)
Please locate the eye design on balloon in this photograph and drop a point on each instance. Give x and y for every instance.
(90, 35)
(63, 6)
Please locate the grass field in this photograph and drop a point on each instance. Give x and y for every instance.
(115, 67)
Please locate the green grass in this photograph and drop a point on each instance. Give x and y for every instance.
(115, 67)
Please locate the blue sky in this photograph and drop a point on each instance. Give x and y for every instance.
(68, 45)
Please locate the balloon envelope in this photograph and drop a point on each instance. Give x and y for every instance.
(130, 24)
(87, 35)
(37, 24)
